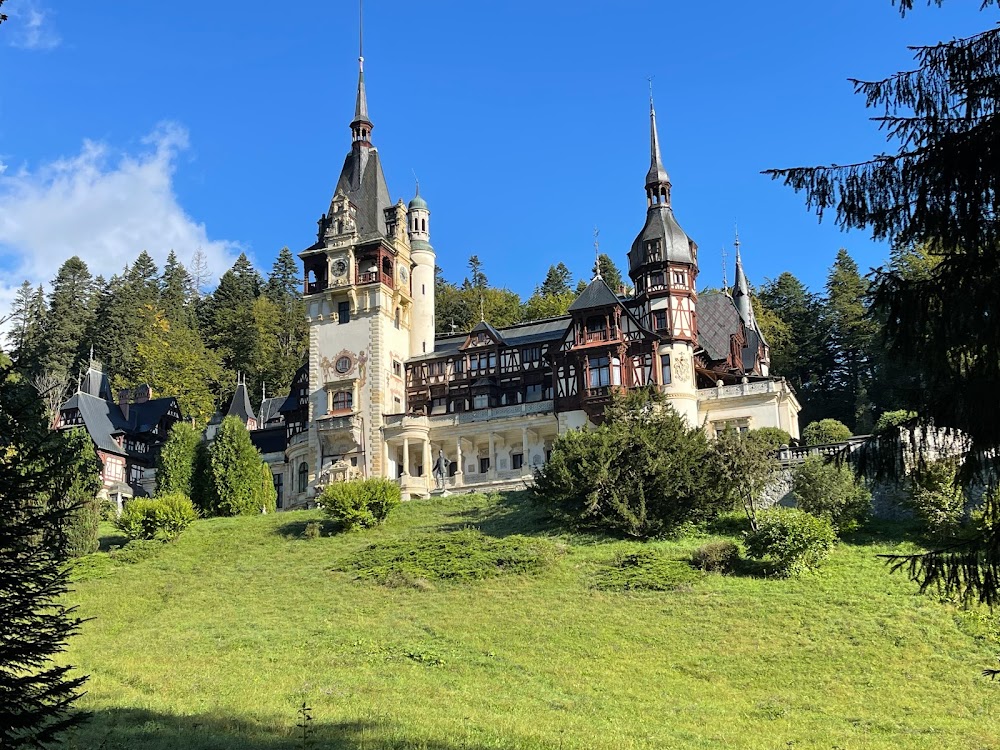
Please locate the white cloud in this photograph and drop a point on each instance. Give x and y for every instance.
(31, 26)
(105, 206)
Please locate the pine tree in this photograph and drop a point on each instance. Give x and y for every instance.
(27, 328)
(36, 696)
(851, 335)
(177, 292)
(476, 278)
(142, 280)
(283, 282)
(556, 281)
(609, 272)
(69, 320)
(940, 190)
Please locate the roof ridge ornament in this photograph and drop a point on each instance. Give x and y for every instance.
(597, 254)
(657, 179)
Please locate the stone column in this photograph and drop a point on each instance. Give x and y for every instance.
(427, 464)
(406, 457)
(493, 458)
(459, 473)
(524, 449)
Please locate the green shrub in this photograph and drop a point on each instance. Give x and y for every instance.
(772, 438)
(312, 530)
(937, 499)
(465, 555)
(82, 527)
(643, 472)
(161, 518)
(893, 419)
(175, 466)
(236, 476)
(360, 504)
(825, 431)
(824, 488)
(793, 540)
(716, 557)
(645, 570)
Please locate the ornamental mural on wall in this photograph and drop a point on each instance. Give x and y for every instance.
(340, 366)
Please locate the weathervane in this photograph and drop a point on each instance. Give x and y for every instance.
(597, 254)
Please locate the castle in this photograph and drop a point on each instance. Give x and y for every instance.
(382, 396)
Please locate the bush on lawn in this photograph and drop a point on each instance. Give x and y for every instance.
(160, 518)
(831, 491)
(825, 431)
(937, 499)
(360, 504)
(793, 540)
(716, 557)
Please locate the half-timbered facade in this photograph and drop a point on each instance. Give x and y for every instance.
(382, 396)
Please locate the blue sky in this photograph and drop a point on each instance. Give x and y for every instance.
(127, 126)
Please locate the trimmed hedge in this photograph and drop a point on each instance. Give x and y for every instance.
(360, 504)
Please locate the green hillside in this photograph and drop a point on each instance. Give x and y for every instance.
(218, 639)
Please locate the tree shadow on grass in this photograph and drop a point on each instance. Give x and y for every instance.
(876, 531)
(297, 529)
(513, 513)
(112, 540)
(136, 729)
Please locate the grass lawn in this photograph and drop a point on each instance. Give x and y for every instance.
(218, 639)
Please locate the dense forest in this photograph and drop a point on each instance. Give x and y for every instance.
(157, 326)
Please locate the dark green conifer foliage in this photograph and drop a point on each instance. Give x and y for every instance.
(939, 190)
(69, 320)
(142, 280)
(805, 358)
(852, 331)
(235, 471)
(81, 496)
(283, 283)
(27, 328)
(177, 462)
(609, 272)
(177, 292)
(36, 696)
(556, 281)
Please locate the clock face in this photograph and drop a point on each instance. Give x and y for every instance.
(339, 267)
(403, 273)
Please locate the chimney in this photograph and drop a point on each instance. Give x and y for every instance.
(143, 393)
(123, 401)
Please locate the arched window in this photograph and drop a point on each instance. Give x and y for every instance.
(343, 400)
(303, 476)
(423, 225)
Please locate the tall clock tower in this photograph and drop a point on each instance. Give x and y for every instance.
(359, 294)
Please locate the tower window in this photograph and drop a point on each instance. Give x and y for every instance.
(344, 312)
(600, 372)
(423, 225)
(396, 321)
(303, 476)
(660, 320)
(343, 401)
(665, 369)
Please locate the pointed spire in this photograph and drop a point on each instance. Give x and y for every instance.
(597, 254)
(741, 290)
(361, 125)
(657, 179)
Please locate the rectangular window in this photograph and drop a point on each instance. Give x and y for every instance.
(344, 312)
(481, 401)
(484, 465)
(279, 489)
(439, 405)
(679, 278)
(533, 392)
(531, 354)
(664, 369)
(459, 366)
(600, 372)
(397, 368)
(660, 320)
(517, 461)
(656, 279)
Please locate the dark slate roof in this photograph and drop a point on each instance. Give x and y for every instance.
(363, 182)
(145, 416)
(240, 405)
(269, 410)
(102, 419)
(95, 383)
(597, 294)
(523, 334)
(482, 325)
(718, 320)
(661, 225)
(291, 401)
(271, 440)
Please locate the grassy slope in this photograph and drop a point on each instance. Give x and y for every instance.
(216, 642)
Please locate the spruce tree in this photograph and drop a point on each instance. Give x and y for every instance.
(177, 292)
(36, 695)
(69, 320)
(940, 190)
(27, 328)
(283, 282)
(609, 272)
(142, 280)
